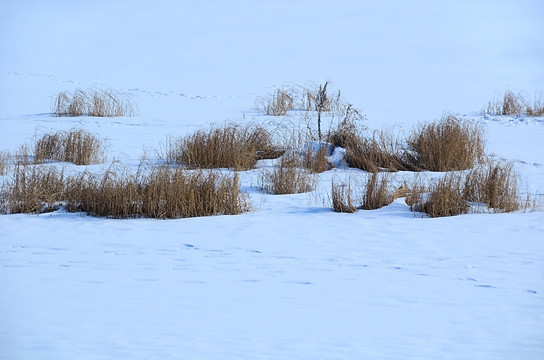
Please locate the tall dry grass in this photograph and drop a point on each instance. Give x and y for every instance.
(288, 177)
(377, 192)
(164, 193)
(448, 145)
(5, 158)
(232, 146)
(32, 189)
(515, 105)
(316, 160)
(277, 104)
(381, 152)
(445, 198)
(342, 198)
(92, 102)
(76, 146)
(495, 184)
(161, 193)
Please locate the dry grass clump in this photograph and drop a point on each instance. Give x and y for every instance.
(92, 102)
(277, 104)
(316, 161)
(381, 152)
(348, 131)
(165, 193)
(231, 146)
(445, 198)
(161, 192)
(288, 177)
(310, 97)
(5, 159)
(342, 198)
(449, 145)
(514, 105)
(32, 189)
(76, 146)
(376, 194)
(496, 185)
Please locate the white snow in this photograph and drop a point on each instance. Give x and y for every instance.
(291, 279)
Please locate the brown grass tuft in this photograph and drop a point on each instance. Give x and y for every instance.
(449, 145)
(165, 193)
(514, 105)
(32, 189)
(288, 177)
(381, 152)
(376, 193)
(316, 161)
(496, 185)
(342, 198)
(92, 102)
(76, 146)
(277, 104)
(445, 198)
(231, 146)
(5, 159)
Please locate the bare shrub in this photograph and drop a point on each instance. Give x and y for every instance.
(231, 146)
(92, 102)
(32, 189)
(514, 105)
(342, 198)
(451, 144)
(288, 177)
(165, 193)
(376, 194)
(76, 146)
(445, 197)
(496, 185)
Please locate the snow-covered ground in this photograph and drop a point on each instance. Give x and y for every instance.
(291, 279)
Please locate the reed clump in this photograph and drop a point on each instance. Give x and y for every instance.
(92, 102)
(288, 177)
(76, 146)
(514, 105)
(232, 146)
(447, 145)
(32, 189)
(342, 198)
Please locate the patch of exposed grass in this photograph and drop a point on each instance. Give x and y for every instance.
(316, 161)
(92, 102)
(342, 198)
(5, 158)
(495, 184)
(448, 145)
(76, 146)
(288, 177)
(515, 105)
(445, 198)
(232, 146)
(277, 104)
(32, 189)
(164, 193)
(381, 152)
(376, 194)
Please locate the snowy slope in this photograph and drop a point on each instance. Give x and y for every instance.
(291, 279)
